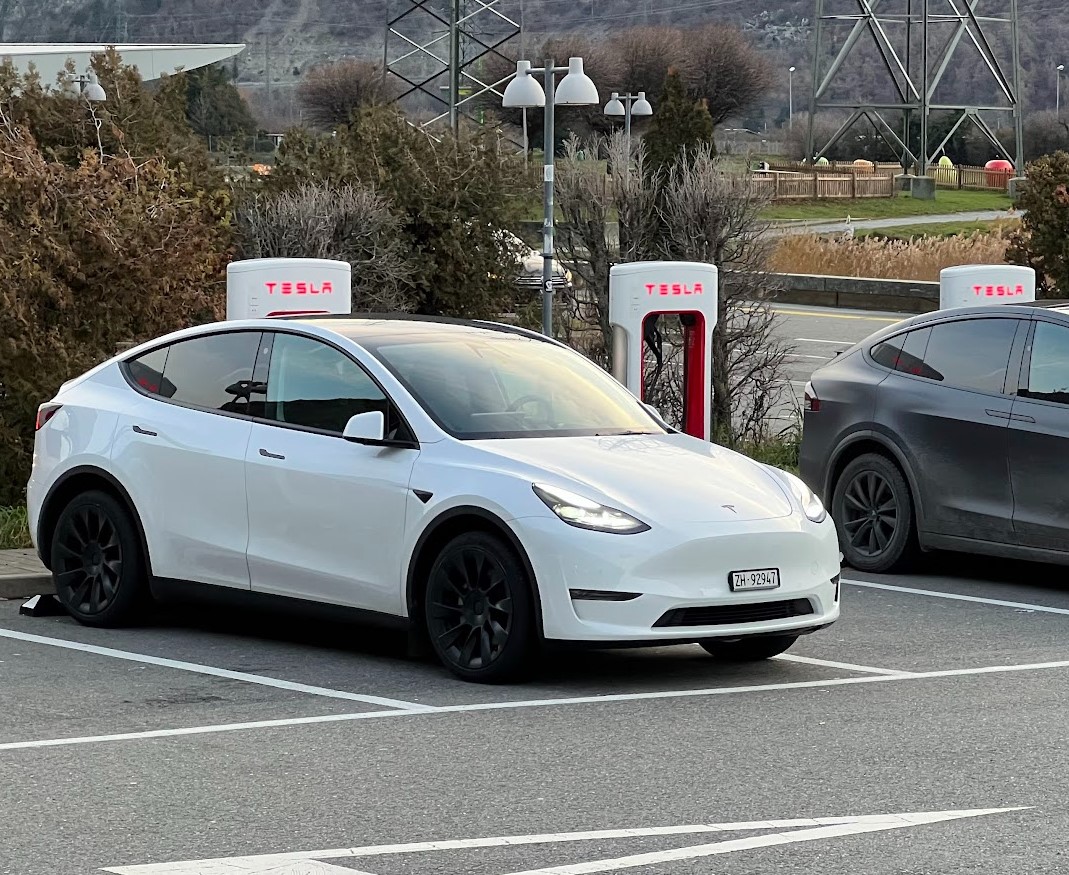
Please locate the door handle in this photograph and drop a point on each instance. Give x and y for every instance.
(268, 455)
(998, 414)
(1020, 417)
(144, 431)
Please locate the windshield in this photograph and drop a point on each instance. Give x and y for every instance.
(509, 386)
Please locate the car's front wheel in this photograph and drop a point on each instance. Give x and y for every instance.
(479, 610)
(97, 561)
(748, 649)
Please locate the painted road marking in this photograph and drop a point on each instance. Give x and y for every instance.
(814, 340)
(537, 703)
(805, 830)
(848, 666)
(797, 355)
(953, 596)
(822, 315)
(196, 668)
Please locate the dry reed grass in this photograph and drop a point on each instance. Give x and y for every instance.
(918, 259)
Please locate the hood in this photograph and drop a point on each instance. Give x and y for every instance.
(668, 479)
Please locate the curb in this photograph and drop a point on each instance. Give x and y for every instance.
(17, 586)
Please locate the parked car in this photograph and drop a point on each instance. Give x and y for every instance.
(481, 485)
(946, 431)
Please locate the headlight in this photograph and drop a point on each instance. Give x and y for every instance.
(587, 514)
(812, 506)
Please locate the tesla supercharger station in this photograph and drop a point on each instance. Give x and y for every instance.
(975, 284)
(261, 287)
(640, 293)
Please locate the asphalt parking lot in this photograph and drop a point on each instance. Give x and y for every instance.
(923, 733)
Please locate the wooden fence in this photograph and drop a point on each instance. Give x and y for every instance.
(818, 185)
(976, 178)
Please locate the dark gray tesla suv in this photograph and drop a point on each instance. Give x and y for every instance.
(947, 431)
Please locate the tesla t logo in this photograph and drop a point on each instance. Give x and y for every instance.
(730, 507)
(290, 288)
(998, 291)
(671, 289)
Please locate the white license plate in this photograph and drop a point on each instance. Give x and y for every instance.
(763, 578)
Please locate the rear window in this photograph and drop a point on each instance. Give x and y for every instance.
(213, 371)
(968, 354)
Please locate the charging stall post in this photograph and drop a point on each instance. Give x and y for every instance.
(263, 287)
(640, 293)
(972, 285)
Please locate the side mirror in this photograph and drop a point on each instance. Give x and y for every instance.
(366, 428)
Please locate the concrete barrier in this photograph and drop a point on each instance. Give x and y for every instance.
(904, 296)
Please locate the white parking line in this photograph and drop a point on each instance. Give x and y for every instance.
(539, 703)
(815, 340)
(953, 596)
(807, 829)
(848, 666)
(196, 668)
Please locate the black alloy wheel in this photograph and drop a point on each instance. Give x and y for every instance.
(96, 561)
(873, 512)
(478, 609)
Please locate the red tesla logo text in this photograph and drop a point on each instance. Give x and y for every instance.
(667, 289)
(998, 291)
(290, 288)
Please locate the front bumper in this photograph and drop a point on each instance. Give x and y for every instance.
(672, 586)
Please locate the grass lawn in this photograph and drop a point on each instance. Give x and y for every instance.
(946, 201)
(14, 531)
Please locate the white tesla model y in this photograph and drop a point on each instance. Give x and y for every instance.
(484, 486)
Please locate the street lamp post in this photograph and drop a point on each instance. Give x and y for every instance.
(524, 92)
(1058, 90)
(790, 98)
(628, 105)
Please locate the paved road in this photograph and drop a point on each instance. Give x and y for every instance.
(816, 334)
(934, 695)
(840, 225)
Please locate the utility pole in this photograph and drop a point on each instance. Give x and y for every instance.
(267, 69)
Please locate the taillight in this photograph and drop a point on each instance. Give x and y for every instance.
(45, 412)
(812, 402)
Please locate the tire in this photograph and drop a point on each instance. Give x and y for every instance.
(97, 562)
(873, 512)
(748, 649)
(478, 610)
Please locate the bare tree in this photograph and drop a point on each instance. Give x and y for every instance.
(331, 93)
(725, 71)
(697, 211)
(587, 196)
(347, 223)
(713, 216)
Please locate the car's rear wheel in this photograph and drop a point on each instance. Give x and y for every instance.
(873, 512)
(748, 649)
(97, 562)
(479, 612)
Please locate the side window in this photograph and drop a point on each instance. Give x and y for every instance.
(971, 354)
(313, 385)
(1048, 372)
(213, 372)
(904, 353)
(147, 371)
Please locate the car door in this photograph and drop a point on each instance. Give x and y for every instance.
(1039, 440)
(180, 452)
(948, 405)
(327, 516)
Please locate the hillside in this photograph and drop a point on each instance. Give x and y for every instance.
(285, 37)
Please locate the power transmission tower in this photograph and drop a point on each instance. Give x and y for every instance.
(438, 49)
(913, 44)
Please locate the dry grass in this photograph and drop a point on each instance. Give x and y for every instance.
(918, 259)
(14, 529)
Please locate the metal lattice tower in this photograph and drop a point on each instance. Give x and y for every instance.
(913, 43)
(437, 49)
